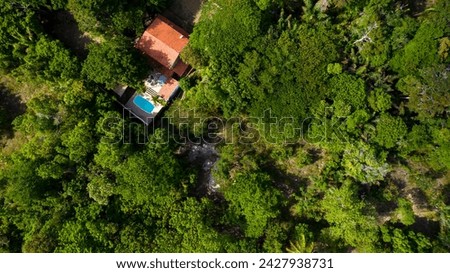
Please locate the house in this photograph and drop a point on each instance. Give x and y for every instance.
(162, 43)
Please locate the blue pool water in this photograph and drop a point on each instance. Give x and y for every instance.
(144, 104)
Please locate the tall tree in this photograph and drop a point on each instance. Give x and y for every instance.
(114, 62)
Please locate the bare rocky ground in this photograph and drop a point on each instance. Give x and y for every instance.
(204, 157)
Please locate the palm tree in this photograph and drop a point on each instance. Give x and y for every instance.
(300, 246)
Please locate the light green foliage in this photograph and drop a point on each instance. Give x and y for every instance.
(189, 229)
(377, 50)
(349, 223)
(444, 48)
(404, 212)
(151, 176)
(225, 29)
(334, 68)
(24, 186)
(53, 169)
(100, 187)
(272, 73)
(439, 157)
(398, 240)
(379, 100)
(275, 237)
(302, 242)
(77, 95)
(356, 120)
(390, 130)
(76, 236)
(404, 30)
(78, 141)
(252, 198)
(85, 14)
(18, 30)
(424, 49)
(417, 138)
(362, 163)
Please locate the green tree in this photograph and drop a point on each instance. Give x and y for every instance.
(19, 28)
(189, 229)
(114, 62)
(404, 212)
(49, 60)
(348, 218)
(225, 30)
(251, 197)
(348, 89)
(78, 142)
(429, 93)
(390, 130)
(152, 177)
(302, 242)
(422, 50)
(405, 242)
(361, 162)
(101, 185)
(379, 100)
(102, 17)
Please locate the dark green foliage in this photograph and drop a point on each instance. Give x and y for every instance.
(405, 242)
(151, 176)
(289, 69)
(114, 62)
(18, 30)
(420, 51)
(429, 93)
(190, 229)
(35, 4)
(348, 89)
(344, 143)
(112, 17)
(49, 60)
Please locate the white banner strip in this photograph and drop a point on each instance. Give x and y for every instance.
(110, 263)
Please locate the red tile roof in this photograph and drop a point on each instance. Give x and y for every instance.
(163, 41)
(180, 68)
(168, 88)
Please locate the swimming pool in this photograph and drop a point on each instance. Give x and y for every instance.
(143, 104)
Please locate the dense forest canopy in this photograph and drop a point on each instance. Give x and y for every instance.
(334, 129)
